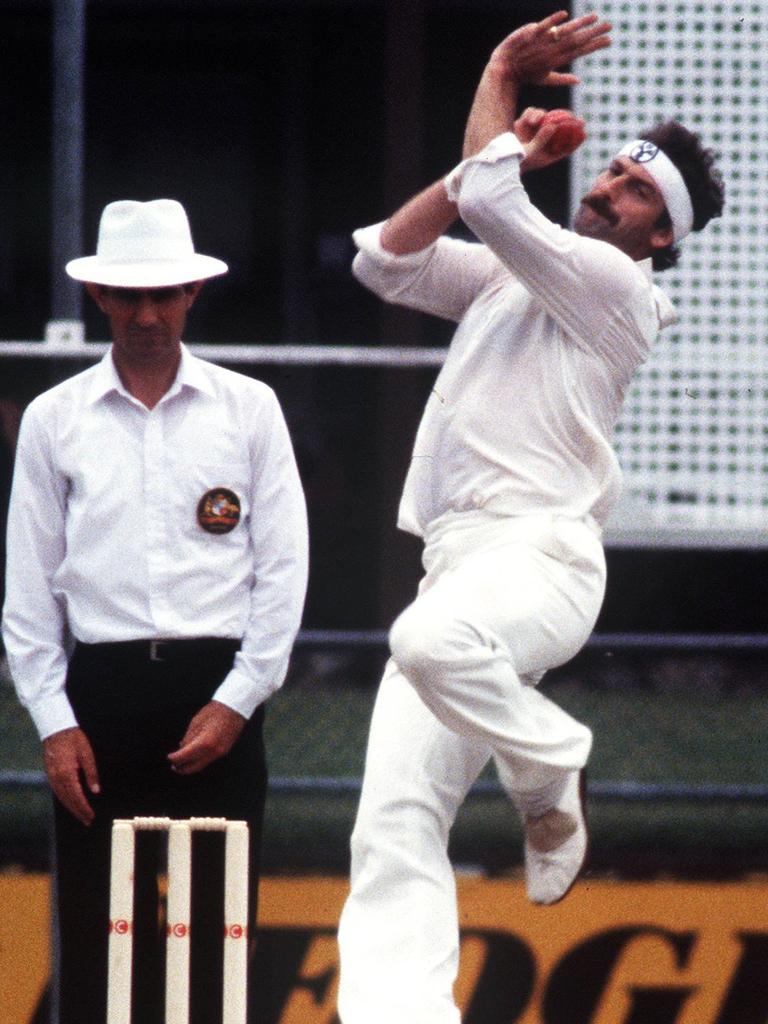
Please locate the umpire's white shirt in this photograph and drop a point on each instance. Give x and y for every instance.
(552, 327)
(104, 542)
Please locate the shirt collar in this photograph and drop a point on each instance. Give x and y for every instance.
(646, 266)
(664, 308)
(191, 373)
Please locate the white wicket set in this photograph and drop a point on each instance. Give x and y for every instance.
(179, 900)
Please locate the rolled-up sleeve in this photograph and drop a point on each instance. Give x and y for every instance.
(443, 279)
(279, 538)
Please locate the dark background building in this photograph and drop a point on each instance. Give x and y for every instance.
(282, 126)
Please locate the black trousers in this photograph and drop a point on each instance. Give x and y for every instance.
(135, 712)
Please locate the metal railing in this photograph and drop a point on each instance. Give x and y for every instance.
(598, 789)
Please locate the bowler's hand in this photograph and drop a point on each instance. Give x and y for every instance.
(211, 734)
(530, 55)
(70, 766)
(534, 52)
(538, 137)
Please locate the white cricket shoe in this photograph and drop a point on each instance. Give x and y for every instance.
(556, 844)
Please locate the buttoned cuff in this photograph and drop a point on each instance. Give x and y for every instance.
(238, 692)
(52, 714)
(503, 147)
(368, 240)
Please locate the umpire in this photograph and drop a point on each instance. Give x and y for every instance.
(157, 565)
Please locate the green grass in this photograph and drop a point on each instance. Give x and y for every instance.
(640, 735)
(693, 737)
(654, 720)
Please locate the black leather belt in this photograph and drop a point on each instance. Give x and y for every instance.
(163, 650)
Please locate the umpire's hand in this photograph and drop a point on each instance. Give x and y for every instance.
(211, 734)
(70, 766)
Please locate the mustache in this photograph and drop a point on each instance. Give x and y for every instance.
(601, 207)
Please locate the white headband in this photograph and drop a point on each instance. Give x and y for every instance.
(669, 181)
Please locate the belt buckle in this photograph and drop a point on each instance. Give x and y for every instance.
(155, 647)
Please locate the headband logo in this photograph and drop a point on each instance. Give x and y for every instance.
(644, 152)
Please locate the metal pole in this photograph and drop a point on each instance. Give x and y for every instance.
(68, 161)
(65, 323)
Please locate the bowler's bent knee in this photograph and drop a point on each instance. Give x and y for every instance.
(425, 645)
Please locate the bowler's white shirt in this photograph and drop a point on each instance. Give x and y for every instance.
(104, 542)
(552, 327)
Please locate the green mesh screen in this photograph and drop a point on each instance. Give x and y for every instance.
(693, 439)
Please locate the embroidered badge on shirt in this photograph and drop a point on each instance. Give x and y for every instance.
(218, 511)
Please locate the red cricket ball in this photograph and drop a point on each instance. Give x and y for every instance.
(569, 134)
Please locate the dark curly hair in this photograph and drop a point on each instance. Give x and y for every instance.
(702, 179)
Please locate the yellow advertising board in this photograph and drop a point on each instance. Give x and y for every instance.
(611, 953)
(24, 945)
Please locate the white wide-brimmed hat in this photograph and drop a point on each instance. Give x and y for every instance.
(144, 245)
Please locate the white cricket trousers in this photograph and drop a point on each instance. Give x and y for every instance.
(502, 601)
